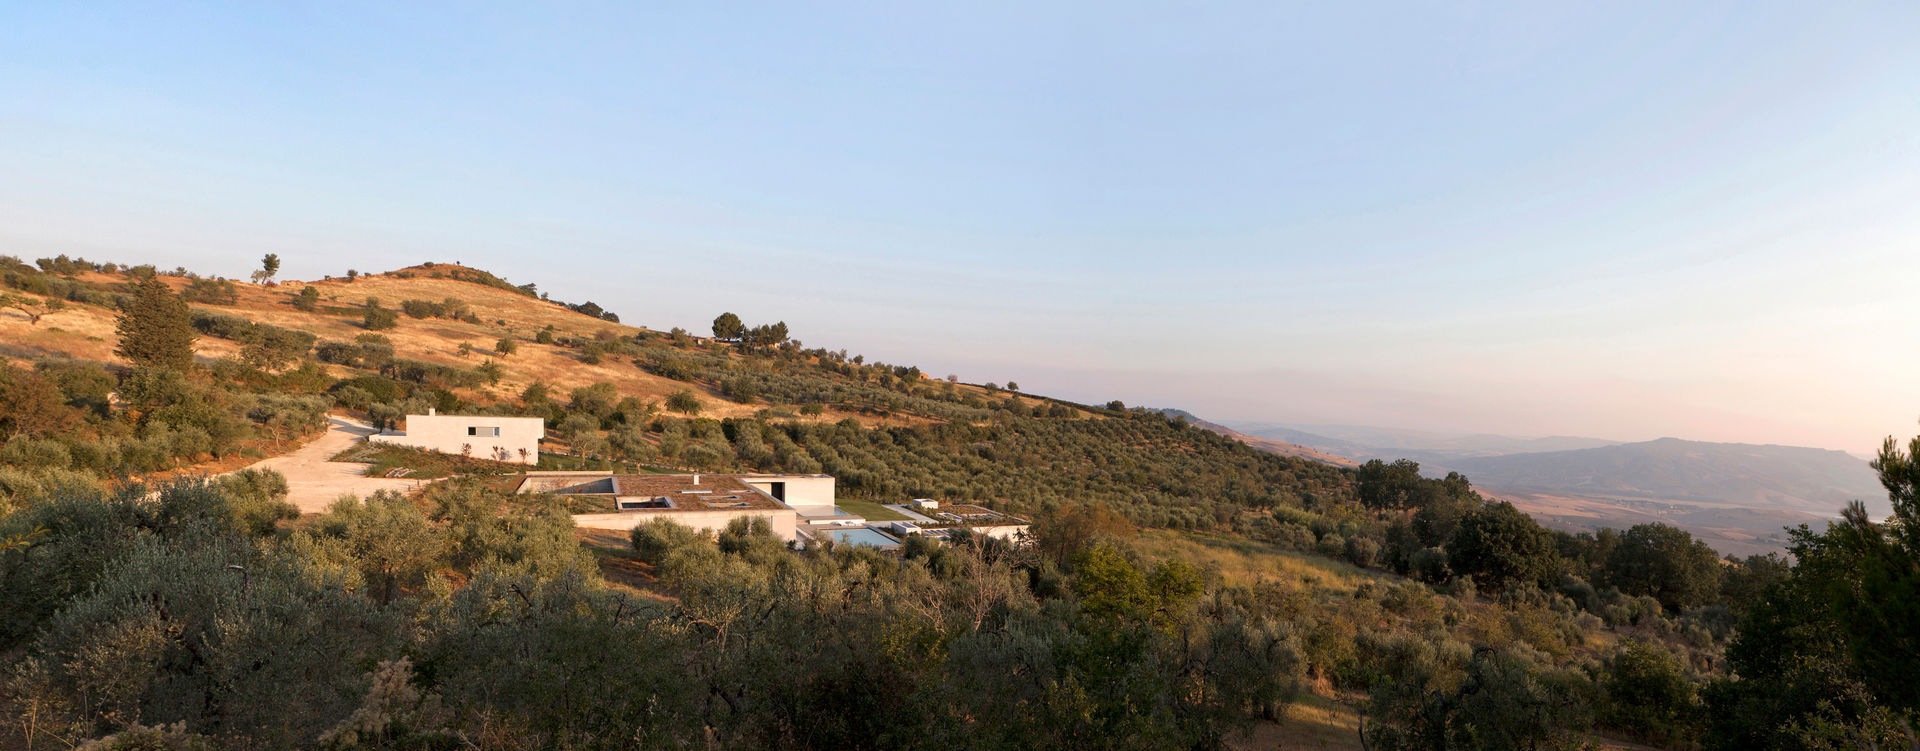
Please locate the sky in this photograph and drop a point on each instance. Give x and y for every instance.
(1620, 220)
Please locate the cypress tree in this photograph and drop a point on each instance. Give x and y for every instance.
(155, 328)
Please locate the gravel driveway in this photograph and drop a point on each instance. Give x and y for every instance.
(313, 483)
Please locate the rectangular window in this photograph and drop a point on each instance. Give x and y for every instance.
(488, 432)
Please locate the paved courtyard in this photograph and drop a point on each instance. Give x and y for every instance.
(313, 482)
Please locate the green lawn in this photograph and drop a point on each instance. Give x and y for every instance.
(562, 462)
(1242, 560)
(869, 510)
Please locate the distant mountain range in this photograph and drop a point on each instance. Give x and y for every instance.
(1268, 445)
(1737, 496)
(1363, 442)
(1788, 478)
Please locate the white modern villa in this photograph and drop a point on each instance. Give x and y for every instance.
(505, 439)
(702, 501)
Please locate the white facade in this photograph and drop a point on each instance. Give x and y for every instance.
(712, 522)
(503, 439)
(811, 495)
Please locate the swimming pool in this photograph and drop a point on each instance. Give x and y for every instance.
(861, 536)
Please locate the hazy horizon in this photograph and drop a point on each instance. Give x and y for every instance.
(1626, 223)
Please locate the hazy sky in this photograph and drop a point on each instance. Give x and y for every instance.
(1625, 221)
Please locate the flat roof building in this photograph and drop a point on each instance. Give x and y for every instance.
(701, 501)
(502, 439)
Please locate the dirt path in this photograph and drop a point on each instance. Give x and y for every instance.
(313, 482)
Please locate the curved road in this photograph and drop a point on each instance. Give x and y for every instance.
(313, 483)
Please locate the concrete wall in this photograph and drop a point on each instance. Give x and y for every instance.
(1005, 532)
(783, 520)
(449, 433)
(811, 495)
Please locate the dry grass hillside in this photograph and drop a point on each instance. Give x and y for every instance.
(87, 332)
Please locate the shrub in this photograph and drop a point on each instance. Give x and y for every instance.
(1430, 565)
(1646, 692)
(422, 308)
(1361, 551)
(259, 499)
(430, 374)
(308, 299)
(377, 389)
(210, 291)
(684, 402)
(742, 389)
(1504, 701)
(379, 319)
(220, 325)
(654, 540)
(669, 367)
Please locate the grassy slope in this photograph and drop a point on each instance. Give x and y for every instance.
(86, 332)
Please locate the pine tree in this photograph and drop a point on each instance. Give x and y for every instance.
(727, 327)
(155, 328)
(269, 267)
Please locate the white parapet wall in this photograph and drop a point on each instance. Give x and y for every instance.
(505, 439)
(782, 520)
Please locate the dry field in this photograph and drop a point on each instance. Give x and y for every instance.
(1729, 529)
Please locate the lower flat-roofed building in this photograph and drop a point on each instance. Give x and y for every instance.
(700, 501)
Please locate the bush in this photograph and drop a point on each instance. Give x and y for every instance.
(379, 319)
(210, 291)
(376, 388)
(743, 389)
(219, 325)
(259, 499)
(669, 367)
(422, 308)
(308, 300)
(430, 374)
(1331, 545)
(684, 402)
(1361, 551)
(1645, 692)
(654, 540)
(206, 630)
(1504, 701)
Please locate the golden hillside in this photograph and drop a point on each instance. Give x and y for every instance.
(87, 332)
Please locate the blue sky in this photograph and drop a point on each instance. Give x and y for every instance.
(1623, 220)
